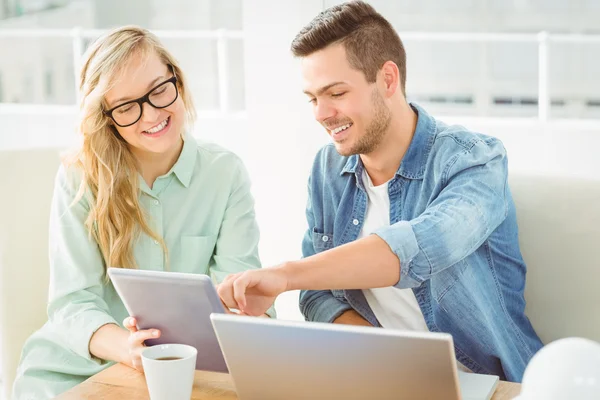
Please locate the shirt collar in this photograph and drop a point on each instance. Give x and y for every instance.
(184, 167)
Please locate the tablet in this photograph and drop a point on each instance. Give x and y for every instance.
(179, 304)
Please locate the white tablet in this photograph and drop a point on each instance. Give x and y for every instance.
(179, 304)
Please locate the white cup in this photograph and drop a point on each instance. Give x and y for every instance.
(169, 379)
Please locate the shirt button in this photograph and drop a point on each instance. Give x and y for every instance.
(325, 238)
(156, 202)
(355, 222)
(155, 241)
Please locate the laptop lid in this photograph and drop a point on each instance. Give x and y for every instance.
(270, 359)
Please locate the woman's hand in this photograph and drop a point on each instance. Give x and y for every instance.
(136, 342)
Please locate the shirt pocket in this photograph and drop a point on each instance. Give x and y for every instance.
(322, 241)
(196, 252)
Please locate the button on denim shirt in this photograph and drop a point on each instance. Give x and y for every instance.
(454, 230)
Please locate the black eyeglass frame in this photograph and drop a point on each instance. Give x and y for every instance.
(144, 99)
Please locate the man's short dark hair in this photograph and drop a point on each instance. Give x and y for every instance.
(368, 38)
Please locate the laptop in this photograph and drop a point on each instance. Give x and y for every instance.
(293, 360)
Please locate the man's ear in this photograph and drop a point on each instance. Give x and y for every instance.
(391, 78)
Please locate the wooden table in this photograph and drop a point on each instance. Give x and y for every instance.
(122, 382)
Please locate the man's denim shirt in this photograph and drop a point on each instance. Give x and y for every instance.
(454, 230)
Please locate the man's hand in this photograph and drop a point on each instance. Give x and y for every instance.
(254, 291)
(228, 311)
(351, 317)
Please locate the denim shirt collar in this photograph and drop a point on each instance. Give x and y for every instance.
(413, 163)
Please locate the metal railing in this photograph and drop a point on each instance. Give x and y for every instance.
(542, 39)
(79, 35)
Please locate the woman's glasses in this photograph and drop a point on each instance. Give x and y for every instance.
(161, 96)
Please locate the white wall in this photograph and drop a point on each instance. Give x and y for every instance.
(283, 138)
(25, 127)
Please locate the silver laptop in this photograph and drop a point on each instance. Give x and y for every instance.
(293, 360)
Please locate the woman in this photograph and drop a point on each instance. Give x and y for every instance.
(139, 193)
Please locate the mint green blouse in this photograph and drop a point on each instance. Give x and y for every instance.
(202, 208)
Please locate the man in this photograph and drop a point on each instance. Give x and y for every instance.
(411, 221)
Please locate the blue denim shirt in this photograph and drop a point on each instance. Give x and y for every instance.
(454, 230)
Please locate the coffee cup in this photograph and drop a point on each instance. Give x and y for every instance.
(169, 370)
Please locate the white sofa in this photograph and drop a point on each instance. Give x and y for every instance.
(27, 182)
(559, 232)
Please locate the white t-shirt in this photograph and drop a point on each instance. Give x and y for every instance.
(394, 308)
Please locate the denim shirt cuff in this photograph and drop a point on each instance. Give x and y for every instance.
(403, 242)
(327, 310)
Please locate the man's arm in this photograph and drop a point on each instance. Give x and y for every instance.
(343, 267)
(351, 317)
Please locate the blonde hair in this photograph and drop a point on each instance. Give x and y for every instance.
(110, 174)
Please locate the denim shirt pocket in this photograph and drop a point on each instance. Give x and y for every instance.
(196, 252)
(322, 242)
